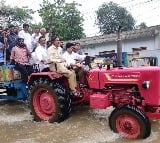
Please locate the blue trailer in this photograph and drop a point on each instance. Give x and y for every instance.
(12, 87)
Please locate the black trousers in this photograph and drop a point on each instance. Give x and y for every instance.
(25, 70)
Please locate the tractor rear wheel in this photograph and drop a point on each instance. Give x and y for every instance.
(49, 101)
(130, 122)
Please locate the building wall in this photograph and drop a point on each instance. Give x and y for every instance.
(127, 46)
(95, 49)
(137, 43)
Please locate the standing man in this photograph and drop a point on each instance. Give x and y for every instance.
(1, 53)
(1, 35)
(59, 65)
(12, 40)
(44, 33)
(16, 30)
(41, 55)
(26, 36)
(35, 37)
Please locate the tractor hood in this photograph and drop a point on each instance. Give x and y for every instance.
(98, 78)
(146, 79)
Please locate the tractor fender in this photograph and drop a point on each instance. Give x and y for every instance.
(51, 75)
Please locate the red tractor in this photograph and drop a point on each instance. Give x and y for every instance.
(133, 92)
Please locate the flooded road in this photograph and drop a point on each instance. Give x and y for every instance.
(84, 126)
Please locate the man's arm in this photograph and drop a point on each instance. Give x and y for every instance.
(28, 52)
(79, 57)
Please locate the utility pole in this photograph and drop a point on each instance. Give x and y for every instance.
(119, 48)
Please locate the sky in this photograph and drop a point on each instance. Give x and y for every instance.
(147, 11)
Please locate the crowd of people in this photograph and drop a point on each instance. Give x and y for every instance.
(25, 50)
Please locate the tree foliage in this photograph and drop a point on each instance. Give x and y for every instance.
(14, 15)
(21, 15)
(62, 19)
(142, 25)
(110, 16)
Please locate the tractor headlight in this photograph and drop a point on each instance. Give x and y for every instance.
(146, 84)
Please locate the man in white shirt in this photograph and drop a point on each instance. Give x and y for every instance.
(41, 55)
(44, 33)
(73, 61)
(35, 37)
(77, 49)
(26, 36)
(60, 48)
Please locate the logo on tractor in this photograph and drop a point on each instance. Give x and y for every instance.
(122, 76)
(90, 77)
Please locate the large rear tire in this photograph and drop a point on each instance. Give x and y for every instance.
(49, 101)
(130, 122)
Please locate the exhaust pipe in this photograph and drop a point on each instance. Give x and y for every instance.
(119, 47)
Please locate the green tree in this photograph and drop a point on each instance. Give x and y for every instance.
(21, 15)
(110, 16)
(62, 19)
(14, 15)
(142, 25)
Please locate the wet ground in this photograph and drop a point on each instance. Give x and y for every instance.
(83, 126)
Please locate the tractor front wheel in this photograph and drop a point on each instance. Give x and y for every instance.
(130, 122)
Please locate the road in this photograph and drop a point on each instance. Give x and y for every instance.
(83, 126)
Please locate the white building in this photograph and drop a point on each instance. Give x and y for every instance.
(145, 40)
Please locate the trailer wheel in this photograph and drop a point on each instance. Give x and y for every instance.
(49, 101)
(130, 122)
